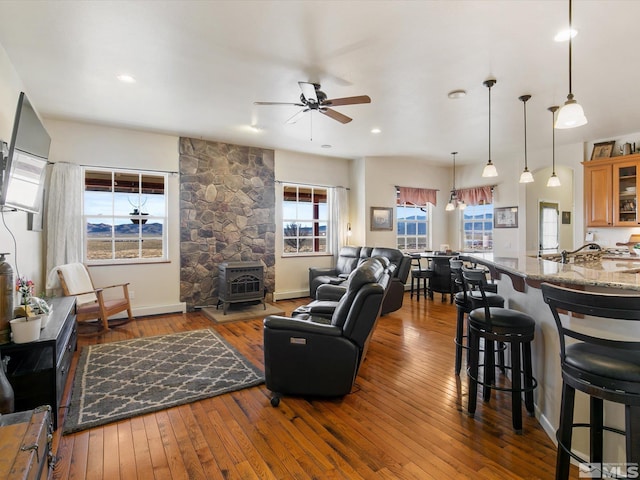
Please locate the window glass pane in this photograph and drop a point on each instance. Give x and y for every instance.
(323, 212)
(305, 245)
(153, 228)
(99, 227)
(290, 230)
(401, 227)
(323, 228)
(305, 229)
(322, 245)
(127, 248)
(99, 250)
(305, 211)
(98, 203)
(152, 248)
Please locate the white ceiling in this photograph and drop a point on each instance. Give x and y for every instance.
(200, 65)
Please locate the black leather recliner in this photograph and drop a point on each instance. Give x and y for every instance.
(350, 257)
(304, 357)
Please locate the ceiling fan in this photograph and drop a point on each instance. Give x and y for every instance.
(312, 98)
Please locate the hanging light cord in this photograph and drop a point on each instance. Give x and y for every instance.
(454, 172)
(570, 32)
(489, 123)
(525, 135)
(553, 143)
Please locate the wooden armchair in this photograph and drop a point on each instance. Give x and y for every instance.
(92, 308)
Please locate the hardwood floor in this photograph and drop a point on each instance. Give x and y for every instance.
(405, 418)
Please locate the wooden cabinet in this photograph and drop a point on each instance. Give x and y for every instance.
(38, 370)
(611, 191)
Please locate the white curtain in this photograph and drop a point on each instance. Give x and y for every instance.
(63, 221)
(339, 203)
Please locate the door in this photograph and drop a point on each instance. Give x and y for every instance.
(548, 233)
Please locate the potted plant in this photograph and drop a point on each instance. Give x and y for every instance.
(26, 327)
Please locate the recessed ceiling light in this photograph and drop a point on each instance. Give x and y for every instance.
(126, 78)
(375, 130)
(453, 94)
(255, 128)
(563, 35)
(326, 145)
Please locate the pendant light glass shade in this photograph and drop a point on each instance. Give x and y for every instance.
(489, 169)
(554, 180)
(571, 115)
(526, 176)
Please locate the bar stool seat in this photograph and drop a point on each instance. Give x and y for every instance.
(495, 325)
(603, 368)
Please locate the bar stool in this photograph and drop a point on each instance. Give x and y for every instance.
(514, 328)
(603, 368)
(419, 275)
(465, 301)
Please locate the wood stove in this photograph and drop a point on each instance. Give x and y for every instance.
(240, 282)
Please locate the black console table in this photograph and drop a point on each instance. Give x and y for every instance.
(38, 370)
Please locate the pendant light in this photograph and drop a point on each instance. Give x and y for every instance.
(571, 115)
(489, 168)
(526, 176)
(453, 198)
(554, 180)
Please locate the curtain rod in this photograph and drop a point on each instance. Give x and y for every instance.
(436, 189)
(126, 168)
(312, 184)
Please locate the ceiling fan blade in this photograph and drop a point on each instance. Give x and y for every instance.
(279, 103)
(335, 115)
(297, 116)
(309, 91)
(336, 102)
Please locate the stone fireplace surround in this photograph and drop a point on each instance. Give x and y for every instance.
(227, 214)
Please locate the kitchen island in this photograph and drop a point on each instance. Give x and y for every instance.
(519, 278)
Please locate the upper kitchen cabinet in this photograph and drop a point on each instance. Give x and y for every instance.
(610, 190)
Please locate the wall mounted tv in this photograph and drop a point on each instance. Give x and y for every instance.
(24, 174)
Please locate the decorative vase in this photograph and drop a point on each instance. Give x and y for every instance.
(25, 330)
(7, 396)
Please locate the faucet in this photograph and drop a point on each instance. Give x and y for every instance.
(592, 246)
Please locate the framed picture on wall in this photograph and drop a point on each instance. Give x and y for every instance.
(381, 218)
(505, 217)
(602, 149)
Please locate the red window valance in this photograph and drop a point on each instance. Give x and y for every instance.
(417, 196)
(476, 195)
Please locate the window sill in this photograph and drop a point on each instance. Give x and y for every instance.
(122, 264)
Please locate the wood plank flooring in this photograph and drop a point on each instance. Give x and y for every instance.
(405, 418)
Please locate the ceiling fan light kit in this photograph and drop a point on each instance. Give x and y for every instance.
(571, 115)
(489, 169)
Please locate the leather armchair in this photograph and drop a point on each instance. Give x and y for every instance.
(306, 357)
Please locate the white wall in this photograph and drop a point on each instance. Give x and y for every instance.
(292, 273)
(29, 257)
(382, 175)
(509, 192)
(155, 287)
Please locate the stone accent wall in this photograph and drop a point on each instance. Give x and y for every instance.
(227, 213)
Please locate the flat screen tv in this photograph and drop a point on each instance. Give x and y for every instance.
(25, 170)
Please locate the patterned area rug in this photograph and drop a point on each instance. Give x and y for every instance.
(124, 379)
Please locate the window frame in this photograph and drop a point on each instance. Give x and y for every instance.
(316, 221)
(428, 209)
(113, 218)
(488, 217)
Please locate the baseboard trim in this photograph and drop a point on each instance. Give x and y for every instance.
(154, 310)
(290, 294)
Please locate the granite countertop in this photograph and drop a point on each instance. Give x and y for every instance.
(609, 271)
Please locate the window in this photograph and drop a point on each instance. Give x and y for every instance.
(125, 216)
(477, 228)
(305, 220)
(413, 227)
